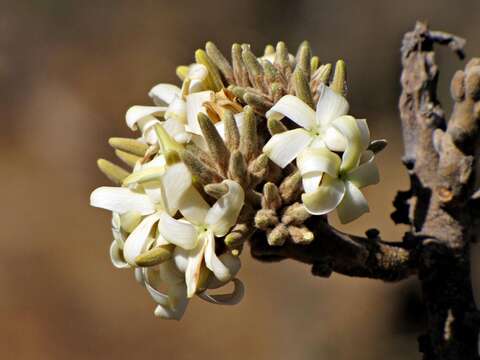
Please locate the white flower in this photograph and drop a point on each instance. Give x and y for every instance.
(173, 303)
(329, 126)
(160, 192)
(171, 105)
(328, 186)
(195, 235)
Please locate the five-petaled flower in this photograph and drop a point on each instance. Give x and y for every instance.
(315, 145)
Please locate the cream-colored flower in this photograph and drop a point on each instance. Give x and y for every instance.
(194, 235)
(172, 304)
(153, 190)
(171, 104)
(328, 127)
(330, 187)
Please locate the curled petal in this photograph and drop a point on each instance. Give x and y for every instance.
(129, 221)
(212, 262)
(283, 148)
(146, 125)
(116, 256)
(177, 111)
(364, 132)
(195, 103)
(177, 131)
(164, 309)
(326, 198)
(353, 204)
(164, 94)
(366, 173)
(294, 109)
(226, 299)
(174, 183)
(318, 160)
(121, 200)
(233, 264)
(224, 213)
(351, 129)
(138, 240)
(192, 273)
(330, 106)
(117, 233)
(137, 113)
(177, 232)
(334, 140)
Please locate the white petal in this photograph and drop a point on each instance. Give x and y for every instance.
(233, 264)
(180, 257)
(224, 213)
(318, 160)
(364, 132)
(163, 94)
(365, 174)
(177, 232)
(157, 296)
(171, 306)
(212, 262)
(192, 273)
(193, 207)
(195, 103)
(349, 127)
(121, 200)
(353, 204)
(129, 221)
(166, 313)
(283, 148)
(116, 256)
(138, 240)
(146, 125)
(137, 113)
(118, 234)
(311, 181)
(197, 72)
(174, 183)
(144, 174)
(154, 192)
(139, 275)
(326, 198)
(226, 299)
(158, 161)
(176, 129)
(295, 109)
(177, 111)
(330, 106)
(334, 140)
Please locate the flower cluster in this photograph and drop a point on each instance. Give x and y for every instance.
(213, 166)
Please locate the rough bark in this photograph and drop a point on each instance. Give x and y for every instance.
(441, 205)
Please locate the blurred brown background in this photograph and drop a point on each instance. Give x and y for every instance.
(68, 72)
